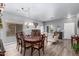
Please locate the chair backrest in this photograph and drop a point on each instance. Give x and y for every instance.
(56, 35)
(43, 39)
(18, 36)
(35, 32)
(22, 37)
(22, 34)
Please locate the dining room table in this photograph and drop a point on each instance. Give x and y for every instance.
(32, 41)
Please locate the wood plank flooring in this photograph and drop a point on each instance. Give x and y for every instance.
(62, 48)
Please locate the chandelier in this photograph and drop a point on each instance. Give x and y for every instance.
(26, 11)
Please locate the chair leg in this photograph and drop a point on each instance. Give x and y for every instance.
(24, 51)
(31, 51)
(21, 49)
(39, 51)
(76, 51)
(17, 47)
(43, 50)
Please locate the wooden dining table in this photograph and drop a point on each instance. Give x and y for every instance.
(32, 41)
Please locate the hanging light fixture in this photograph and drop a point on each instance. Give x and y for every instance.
(26, 12)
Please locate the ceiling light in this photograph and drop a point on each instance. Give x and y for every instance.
(30, 24)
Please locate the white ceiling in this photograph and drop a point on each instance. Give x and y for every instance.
(43, 11)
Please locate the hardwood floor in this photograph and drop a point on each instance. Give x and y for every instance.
(62, 48)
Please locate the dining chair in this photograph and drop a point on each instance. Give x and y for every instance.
(55, 38)
(18, 40)
(38, 45)
(35, 32)
(24, 44)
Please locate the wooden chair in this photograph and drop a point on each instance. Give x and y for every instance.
(38, 45)
(35, 32)
(18, 40)
(2, 53)
(24, 44)
(55, 38)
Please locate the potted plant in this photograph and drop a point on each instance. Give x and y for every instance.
(76, 47)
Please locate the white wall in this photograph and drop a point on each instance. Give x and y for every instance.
(10, 18)
(60, 23)
(77, 24)
(69, 30)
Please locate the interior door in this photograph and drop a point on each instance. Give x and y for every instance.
(69, 29)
